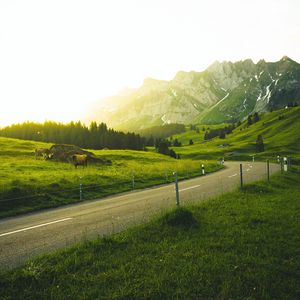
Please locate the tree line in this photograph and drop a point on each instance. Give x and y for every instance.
(220, 132)
(162, 147)
(94, 136)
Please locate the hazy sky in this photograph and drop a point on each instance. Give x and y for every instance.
(58, 56)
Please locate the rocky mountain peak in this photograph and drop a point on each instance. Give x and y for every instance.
(286, 58)
(220, 67)
(224, 92)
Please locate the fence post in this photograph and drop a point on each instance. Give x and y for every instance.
(241, 175)
(285, 164)
(176, 189)
(80, 190)
(281, 165)
(268, 169)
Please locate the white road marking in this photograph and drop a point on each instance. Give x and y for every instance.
(33, 227)
(191, 187)
(232, 175)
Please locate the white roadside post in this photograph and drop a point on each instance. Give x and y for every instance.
(285, 164)
(203, 170)
(176, 188)
(278, 158)
(253, 157)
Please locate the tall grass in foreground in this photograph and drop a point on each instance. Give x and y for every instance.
(242, 245)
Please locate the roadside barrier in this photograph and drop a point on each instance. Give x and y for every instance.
(80, 191)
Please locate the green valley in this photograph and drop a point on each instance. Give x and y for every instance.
(34, 184)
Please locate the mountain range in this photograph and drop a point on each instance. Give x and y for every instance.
(224, 92)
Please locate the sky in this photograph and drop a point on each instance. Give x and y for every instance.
(58, 56)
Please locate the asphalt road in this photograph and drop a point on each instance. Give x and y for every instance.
(30, 235)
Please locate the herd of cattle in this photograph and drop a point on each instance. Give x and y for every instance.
(76, 158)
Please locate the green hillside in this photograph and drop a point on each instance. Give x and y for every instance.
(28, 184)
(280, 131)
(197, 137)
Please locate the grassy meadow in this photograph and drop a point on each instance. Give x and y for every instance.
(27, 184)
(242, 245)
(280, 131)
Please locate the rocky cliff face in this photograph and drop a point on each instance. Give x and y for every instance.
(223, 92)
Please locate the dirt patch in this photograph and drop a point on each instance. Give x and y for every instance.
(64, 153)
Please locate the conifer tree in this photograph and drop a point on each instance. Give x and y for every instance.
(260, 147)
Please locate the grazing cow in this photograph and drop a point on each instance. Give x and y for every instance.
(43, 152)
(79, 160)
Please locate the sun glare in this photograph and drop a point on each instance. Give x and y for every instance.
(40, 112)
(57, 57)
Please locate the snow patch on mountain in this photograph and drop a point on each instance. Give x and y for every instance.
(244, 103)
(220, 101)
(268, 94)
(259, 97)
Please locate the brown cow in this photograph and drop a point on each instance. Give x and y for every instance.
(79, 160)
(43, 152)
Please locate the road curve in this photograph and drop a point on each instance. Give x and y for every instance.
(29, 235)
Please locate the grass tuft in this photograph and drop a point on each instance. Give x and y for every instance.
(181, 217)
